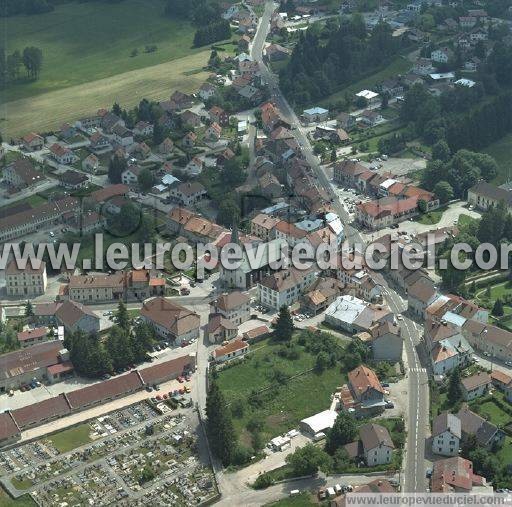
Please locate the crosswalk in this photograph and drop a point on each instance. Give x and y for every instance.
(418, 370)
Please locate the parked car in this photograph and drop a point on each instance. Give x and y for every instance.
(149, 389)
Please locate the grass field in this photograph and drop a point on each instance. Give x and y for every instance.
(87, 63)
(502, 152)
(22, 501)
(430, 218)
(72, 438)
(302, 500)
(49, 110)
(283, 403)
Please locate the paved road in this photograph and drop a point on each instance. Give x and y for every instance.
(417, 420)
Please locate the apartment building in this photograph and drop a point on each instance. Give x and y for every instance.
(27, 282)
(283, 288)
(22, 174)
(262, 226)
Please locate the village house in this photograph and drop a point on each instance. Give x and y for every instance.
(487, 434)
(207, 91)
(22, 174)
(315, 115)
(190, 119)
(364, 393)
(122, 135)
(33, 336)
(76, 317)
(446, 434)
(276, 53)
(109, 121)
(99, 143)
(220, 329)
(187, 193)
(103, 196)
(166, 146)
(503, 382)
(454, 475)
(321, 294)
(235, 306)
(62, 154)
(218, 115)
(475, 385)
(346, 121)
(130, 176)
(213, 132)
(263, 225)
(374, 446)
(489, 339)
(233, 350)
(189, 140)
(86, 223)
(91, 164)
(32, 142)
(170, 320)
(386, 342)
(423, 66)
(270, 186)
(420, 295)
(143, 129)
(441, 55)
(73, 180)
(484, 195)
(371, 117)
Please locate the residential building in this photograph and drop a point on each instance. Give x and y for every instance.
(62, 154)
(270, 186)
(503, 382)
(420, 295)
(386, 342)
(233, 350)
(494, 341)
(475, 385)
(371, 117)
(170, 320)
(219, 116)
(143, 129)
(321, 294)
(263, 225)
(220, 329)
(441, 55)
(377, 444)
(187, 193)
(33, 336)
(454, 475)
(315, 115)
(99, 143)
(207, 91)
(446, 434)
(76, 317)
(486, 433)
(484, 195)
(22, 174)
(130, 176)
(276, 53)
(91, 163)
(363, 393)
(73, 180)
(235, 306)
(346, 121)
(28, 282)
(122, 135)
(284, 288)
(32, 142)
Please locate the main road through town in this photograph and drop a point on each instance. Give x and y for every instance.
(413, 476)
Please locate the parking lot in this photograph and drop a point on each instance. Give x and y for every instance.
(144, 450)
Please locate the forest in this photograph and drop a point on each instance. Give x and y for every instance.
(326, 59)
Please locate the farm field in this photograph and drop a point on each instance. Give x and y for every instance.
(84, 42)
(22, 501)
(49, 110)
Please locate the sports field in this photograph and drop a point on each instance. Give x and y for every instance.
(87, 62)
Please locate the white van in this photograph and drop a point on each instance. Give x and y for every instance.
(295, 492)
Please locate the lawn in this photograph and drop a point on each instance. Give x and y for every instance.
(430, 218)
(87, 63)
(302, 500)
(22, 501)
(72, 438)
(490, 411)
(32, 200)
(400, 65)
(279, 404)
(502, 152)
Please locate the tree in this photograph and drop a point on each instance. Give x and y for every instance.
(33, 61)
(385, 101)
(121, 317)
(441, 151)
(119, 347)
(229, 212)
(322, 362)
(422, 205)
(333, 155)
(158, 134)
(443, 191)
(454, 389)
(87, 353)
(284, 325)
(134, 52)
(115, 168)
(343, 431)
(29, 309)
(452, 277)
(308, 460)
(219, 425)
(127, 221)
(145, 179)
(497, 309)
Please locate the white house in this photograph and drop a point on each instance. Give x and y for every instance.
(441, 55)
(476, 385)
(232, 350)
(130, 176)
(315, 114)
(61, 154)
(446, 435)
(377, 444)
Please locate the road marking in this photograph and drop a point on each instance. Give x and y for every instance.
(418, 370)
